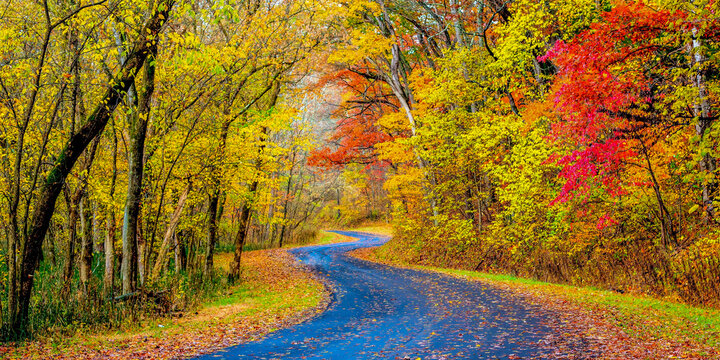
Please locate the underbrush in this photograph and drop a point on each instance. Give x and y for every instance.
(60, 310)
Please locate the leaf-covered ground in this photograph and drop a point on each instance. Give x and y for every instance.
(617, 326)
(275, 293)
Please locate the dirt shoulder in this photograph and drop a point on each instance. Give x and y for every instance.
(275, 292)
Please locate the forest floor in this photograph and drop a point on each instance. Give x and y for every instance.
(275, 292)
(619, 326)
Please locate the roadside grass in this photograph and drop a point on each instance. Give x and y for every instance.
(639, 316)
(272, 294)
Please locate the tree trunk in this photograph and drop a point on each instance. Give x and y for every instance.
(245, 215)
(96, 234)
(704, 120)
(212, 232)
(77, 206)
(86, 250)
(242, 233)
(179, 261)
(109, 245)
(15, 293)
(142, 252)
(165, 246)
(138, 131)
(405, 103)
(287, 199)
(69, 264)
(45, 204)
(12, 274)
(667, 230)
(109, 276)
(268, 231)
(241, 236)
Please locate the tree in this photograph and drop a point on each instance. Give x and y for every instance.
(76, 145)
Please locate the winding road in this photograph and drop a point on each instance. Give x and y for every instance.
(382, 312)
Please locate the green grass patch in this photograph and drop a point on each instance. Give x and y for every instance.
(238, 295)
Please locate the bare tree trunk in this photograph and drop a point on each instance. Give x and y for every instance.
(247, 208)
(241, 236)
(287, 199)
(72, 205)
(339, 202)
(15, 300)
(93, 225)
(142, 252)
(191, 259)
(172, 225)
(77, 206)
(212, 232)
(404, 96)
(179, 261)
(667, 230)
(405, 103)
(538, 77)
(86, 253)
(459, 31)
(246, 212)
(12, 273)
(269, 230)
(96, 228)
(109, 277)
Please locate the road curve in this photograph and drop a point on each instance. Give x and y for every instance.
(382, 312)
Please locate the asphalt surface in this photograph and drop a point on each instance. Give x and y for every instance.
(382, 312)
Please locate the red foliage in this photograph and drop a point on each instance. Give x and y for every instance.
(605, 80)
(356, 133)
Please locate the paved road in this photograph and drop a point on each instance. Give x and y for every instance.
(381, 312)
